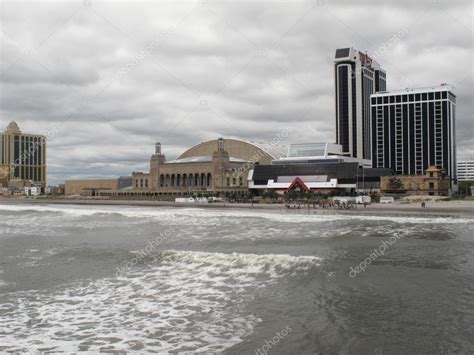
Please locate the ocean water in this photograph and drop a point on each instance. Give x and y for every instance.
(153, 279)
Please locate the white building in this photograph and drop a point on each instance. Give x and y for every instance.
(465, 170)
(318, 153)
(33, 190)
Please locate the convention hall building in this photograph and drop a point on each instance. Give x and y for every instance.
(215, 166)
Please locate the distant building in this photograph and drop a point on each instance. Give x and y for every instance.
(413, 129)
(22, 156)
(357, 76)
(466, 170)
(124, 182)
(33, 190)
(89, 187)
(318, 153)
(54, 190)
(434, 182)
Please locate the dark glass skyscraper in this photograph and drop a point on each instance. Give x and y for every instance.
(357, 76)
(413, 129)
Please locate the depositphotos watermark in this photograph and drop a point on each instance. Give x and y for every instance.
(274, 341)
(374, 255)
(381, 50)
(280, 137)
(28, 152)
(150, 49)
(143, 253)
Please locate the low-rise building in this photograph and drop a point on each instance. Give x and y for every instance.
(434, 182)
(33, 190)
(321, 178)
(89, 187)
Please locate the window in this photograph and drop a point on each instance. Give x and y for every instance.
(431, 185)
(234, 181)
(241, 181)
(431, 96)
(146, 183)
(431, 175)
(411, 97)
(228, 181)
(136, 183)
(424, 97)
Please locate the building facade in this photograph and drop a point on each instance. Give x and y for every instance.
(216, 166)
(91, 187)
(413, 129)
(357, 76)
(465, 170)
(22, 156)
(434, 182)
(322, 178)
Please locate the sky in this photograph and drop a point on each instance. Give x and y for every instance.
(106, 80)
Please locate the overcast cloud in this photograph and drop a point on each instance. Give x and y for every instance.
(115, 77)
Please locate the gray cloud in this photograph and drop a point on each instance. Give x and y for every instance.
(235, 69)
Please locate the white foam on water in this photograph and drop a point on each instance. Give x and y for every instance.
(191, 215)
(186, 301)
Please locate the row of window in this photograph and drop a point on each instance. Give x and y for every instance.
(141, 183)
(178, 180)
(234, 181)
(438, 95)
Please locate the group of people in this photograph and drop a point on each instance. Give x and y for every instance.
(324, 204)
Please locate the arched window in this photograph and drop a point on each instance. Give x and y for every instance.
(162, 180)
(178, 180)
(172, 179)
(185, 180)
(167, 180)
(203, 179)
(191, 180)
(209, 179)
(196, 179)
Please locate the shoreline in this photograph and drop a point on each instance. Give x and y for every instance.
(456, 208)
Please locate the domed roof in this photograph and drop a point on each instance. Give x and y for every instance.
(13, 127)
(237, 149)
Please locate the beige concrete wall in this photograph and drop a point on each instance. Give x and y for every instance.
(77, 187)
(141, 181)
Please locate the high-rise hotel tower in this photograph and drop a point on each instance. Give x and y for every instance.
(22, 156)
(357, 76)
(413, 129)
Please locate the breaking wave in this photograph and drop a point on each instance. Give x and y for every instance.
(185, 301)
(167, 214)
